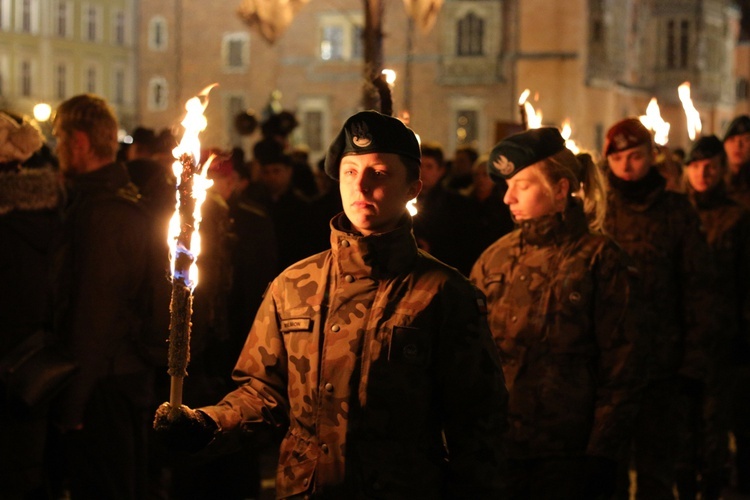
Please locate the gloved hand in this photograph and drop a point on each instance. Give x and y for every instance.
(599, 478)
(183, 430)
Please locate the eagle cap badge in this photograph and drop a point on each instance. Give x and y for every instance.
(503, 165)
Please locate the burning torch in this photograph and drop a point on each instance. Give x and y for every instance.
(184, 240)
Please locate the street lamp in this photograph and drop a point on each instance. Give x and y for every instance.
(42, 112)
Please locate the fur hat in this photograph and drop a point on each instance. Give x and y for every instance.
(626, 134)
(371, 132)
(18, 141)
(518, 151)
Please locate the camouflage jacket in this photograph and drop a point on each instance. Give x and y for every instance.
(662, 233)
(727, 225)
(380, 361)
(563, 312)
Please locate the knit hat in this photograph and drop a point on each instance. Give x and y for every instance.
(626, 134)
(521, 150)
(704, 148)
(371, 132)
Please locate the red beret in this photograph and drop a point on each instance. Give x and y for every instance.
(626, 134)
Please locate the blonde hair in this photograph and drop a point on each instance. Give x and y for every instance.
(585, 179)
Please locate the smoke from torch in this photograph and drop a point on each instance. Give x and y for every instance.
(184, 240)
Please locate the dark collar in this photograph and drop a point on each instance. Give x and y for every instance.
(379, 255)
(557, 228)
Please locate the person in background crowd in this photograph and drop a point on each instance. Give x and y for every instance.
(460, 175)
(290, 211)
(375, 357)
(705, 442)
(737, 148)
(564, 313)
(493, 218)
(30, 195)
(444, 225)
(99, 278)
(154, 180)
(661, 232)
(325, 206)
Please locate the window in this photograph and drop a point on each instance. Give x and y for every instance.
(743, 89)
(120, 28)
(5, 14)
(313, 113)
(470, 35)
(26, 16)
(313, 129)
(61, 81)
(341, 37)
(91, 24)
(25, 78)
(119, 86)
(61, 24)
(236, 51)
(677, 44)
(157, 33)
(91, 77)
(157, 94)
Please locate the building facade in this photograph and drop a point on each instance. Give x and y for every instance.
(53, 49)
(590, 62)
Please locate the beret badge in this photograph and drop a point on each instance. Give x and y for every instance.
(621, 142)
(503, 165)
(360, 135)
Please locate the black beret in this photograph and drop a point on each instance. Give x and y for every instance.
(371, 132)
(704, 148)
(740, 125)
(518, 151)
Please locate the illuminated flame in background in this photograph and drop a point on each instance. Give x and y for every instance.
(194, 122)
(411, 206)
(533, 117)
(653, 121)
(523, 97)
(694, 125)
(566, 133)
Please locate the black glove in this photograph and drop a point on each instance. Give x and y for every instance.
(184, 430)
(600, 477)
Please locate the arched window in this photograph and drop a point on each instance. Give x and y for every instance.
(470, 35)
(157, 94)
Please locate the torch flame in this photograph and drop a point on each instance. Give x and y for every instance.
(188, 151)
(533, 118)
(694, 125)
(524, 96)
(411, 206)
(653, 121)
(566, 132)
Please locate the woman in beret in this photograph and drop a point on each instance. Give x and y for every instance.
(563, 314)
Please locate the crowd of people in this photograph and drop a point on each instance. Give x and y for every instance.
(547, 325)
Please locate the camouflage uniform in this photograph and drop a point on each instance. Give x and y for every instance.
(727, 225)
(563, 314)
(661, 231)
(379, 359)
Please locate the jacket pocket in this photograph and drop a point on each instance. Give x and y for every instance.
(410, 346)
(297, 463)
